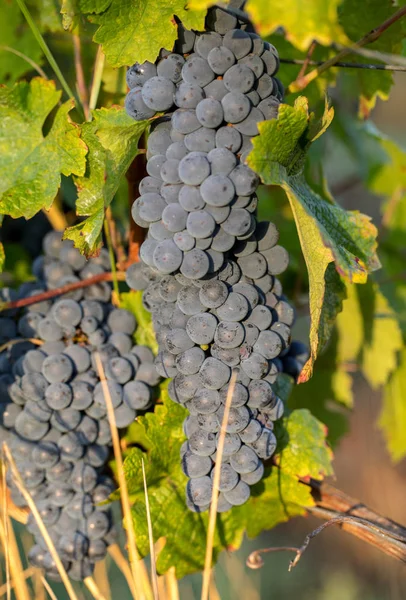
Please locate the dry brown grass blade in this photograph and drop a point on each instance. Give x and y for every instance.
(172, 584)
(17, 581)
(115, 552)
(101, 577)
(23, 576)
(140, 577)
(39, 589)
(213, 591)
(93, 588)
(48, 588)
(4, 527)
(154, 577)
(43, 530)
(215, 494)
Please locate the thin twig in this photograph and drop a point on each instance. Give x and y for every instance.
(306, 61)
(27, 59)
(97, 78)
(80, 77)
(115, 552)
(140, 583)
(385, 57)
(64, 289)
(215, 493)
(154, 577)
(255, 560)
(116, 239)
(45, 49)
(48, 588)
(345, 65)
(372, 36)
(29, 572)
(42, 528)
(101, 578)
(107, 232)
(56, 216)
(5, 533)
(172, 584)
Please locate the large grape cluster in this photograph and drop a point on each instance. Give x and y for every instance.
(53, 410)
(208, 266)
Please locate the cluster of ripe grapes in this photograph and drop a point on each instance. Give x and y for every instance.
(53, 410)
(208, 266)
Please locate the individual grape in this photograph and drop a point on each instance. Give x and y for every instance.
(190, 361)
(253, 265)
(170, 67)
(235, 308)
(209, 113)
(222, 504)
(148, 207)
(66, 419)
(155, 163)
(38, 410)
(197, 70)
(214, 373)
(213, 294)
(249, 292)
(277, 259)
(265, 445)
(245, 460)
(236, 107)
(206, 401)
(285, 312)
(195, 264)
(194, 168)
(136, 107)
(185, 41)
(267, 235)
(221, 240)
(232, 443)
(271, 61)
(176, 151)
(169, 288)
(49, 330)
(261, 317)
(238, 418)
(215, 89)
(147, 251)
(238, 41)
(228, 137)
(255, 476)
(283, 332)
(79, 356)
(201, 140)
(229, 334)
(275, 411)
(28, 324)
(159, 141)
(138, 74)
(255, 366)
(57, 368)
(206, 422)
(202, 443)
(216, 260)
(167, 257)
(238, 223)
(261, 394)
(220, 59)
(45, 454)
(203, 244)
(228, 477)
(238, 495)
(188, 95)
(239, 395)
(178, 341)
(32, 361)
(190, 198)
(230, 356)
(124, 415)
(199, 490)
(189, 302)
(220, 20)
(195, 466)
(245, 180)
(254, 62)
(251, 433)
(264, 86)
(222, 161)
(158, 93)
(217, 190)
(97, 525)
(269, 107)
(200, 224)
(119, 369)
(239, 78)
(205, 42)
(185, 120)
(174, 217)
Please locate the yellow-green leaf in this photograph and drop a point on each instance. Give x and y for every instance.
(392, 420)
(144, 335)
(136, 31)
(31, 163)
(303, 22)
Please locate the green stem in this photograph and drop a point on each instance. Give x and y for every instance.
(97, 77)
(111, 256)
(27, 59)
(46, 50)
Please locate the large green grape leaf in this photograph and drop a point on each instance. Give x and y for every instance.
(144, 334)
(136, 31)
(112, 138)
(278, 497)
(326, 231)
(31, 163)
(357, 19)
(15, 34)
(392, 420)
(303, 22)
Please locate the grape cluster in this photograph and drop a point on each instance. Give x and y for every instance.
(209, 268)
(53, 411)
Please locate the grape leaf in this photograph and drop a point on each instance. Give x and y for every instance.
(31, 163)
(382, 336)
(357, 19)
(277, 498)
(326, 231)
(15, 34)
(303, 22)
(112, 138)
(306, 454)
(136, 31)
(392, 420)
(144, 334)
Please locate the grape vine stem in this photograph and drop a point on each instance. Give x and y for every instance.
(64, 289)
(301, 82)
(345, 65)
